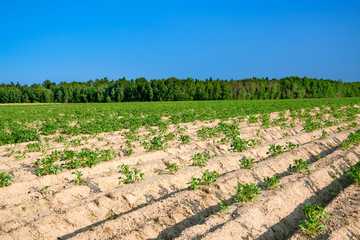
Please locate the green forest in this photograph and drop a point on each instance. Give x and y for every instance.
(174, 89)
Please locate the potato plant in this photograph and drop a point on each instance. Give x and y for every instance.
(75, 142)
(5, 179)
(247, 163)
(46, 190)
(90, 118)
(312, 125)
(172, 168)
(207, 178)
(290, 146)
(169, 137)
(253, 119)
(194, 183)
(157, 143)
(129, 176)
(315, 217)
(60, 139)
(265, 121)
(352, 140)
(239, 145)
(224, 209)
(272, 182)
(36, 147)
(70, 159)
(129, 152)
(246, 192)
(275, 150)
(354, 173)
(200, 159)
(185, 139)
(300, 166)
(46, 166)
(78, 180)
(324, 134)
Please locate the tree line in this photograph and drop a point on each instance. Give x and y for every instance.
(174, 89)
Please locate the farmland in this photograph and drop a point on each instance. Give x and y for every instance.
(271, 169)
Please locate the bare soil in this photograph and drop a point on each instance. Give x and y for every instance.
(162, 207)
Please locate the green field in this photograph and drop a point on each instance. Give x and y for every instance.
(22, 123)
(120, 169)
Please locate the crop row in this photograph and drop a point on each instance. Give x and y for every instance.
(18, 126)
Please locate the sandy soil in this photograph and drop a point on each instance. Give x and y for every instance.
(161, 206)
(343, 217)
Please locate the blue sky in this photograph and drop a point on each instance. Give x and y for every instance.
(82, 40)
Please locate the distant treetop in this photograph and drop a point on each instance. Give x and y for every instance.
(174, 89)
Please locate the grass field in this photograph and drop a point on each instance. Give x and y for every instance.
(181, 170)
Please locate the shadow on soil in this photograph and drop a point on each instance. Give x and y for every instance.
(149, 200)
(284, 228)
(290, 224)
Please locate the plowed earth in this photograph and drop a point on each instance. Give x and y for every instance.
(162, 207)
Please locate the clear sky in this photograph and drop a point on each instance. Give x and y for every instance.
(82, 40)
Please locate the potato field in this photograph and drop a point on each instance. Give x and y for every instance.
(270, 169)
